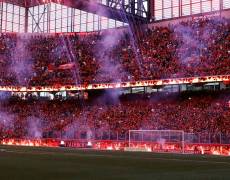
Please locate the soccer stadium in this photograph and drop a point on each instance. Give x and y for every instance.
(114, 89)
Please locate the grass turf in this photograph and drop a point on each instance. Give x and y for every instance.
(27, 163)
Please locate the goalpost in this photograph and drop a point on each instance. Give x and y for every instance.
(157, 140)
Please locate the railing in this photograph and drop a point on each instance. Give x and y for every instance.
(218, 138)
(199, 138)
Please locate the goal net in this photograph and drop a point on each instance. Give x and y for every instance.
(156, 140)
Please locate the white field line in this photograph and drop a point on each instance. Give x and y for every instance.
(113, 156)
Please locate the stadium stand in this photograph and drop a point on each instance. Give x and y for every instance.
(161, 52)
(193, 112)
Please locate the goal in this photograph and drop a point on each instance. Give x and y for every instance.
(156, 140)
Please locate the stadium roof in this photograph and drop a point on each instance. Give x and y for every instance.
(128, 14)
(25, 3)
(31, 3)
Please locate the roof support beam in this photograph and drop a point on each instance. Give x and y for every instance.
(115, 9)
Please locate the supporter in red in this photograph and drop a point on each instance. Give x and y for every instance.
(192, 112)
(197, 47)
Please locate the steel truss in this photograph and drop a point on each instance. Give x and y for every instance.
(127, 11)
(36, 21)
(134, 7)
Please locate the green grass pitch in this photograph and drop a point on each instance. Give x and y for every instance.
(27, 163)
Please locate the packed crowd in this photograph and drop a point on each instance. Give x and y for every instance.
(202, 112)
(195, 48)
